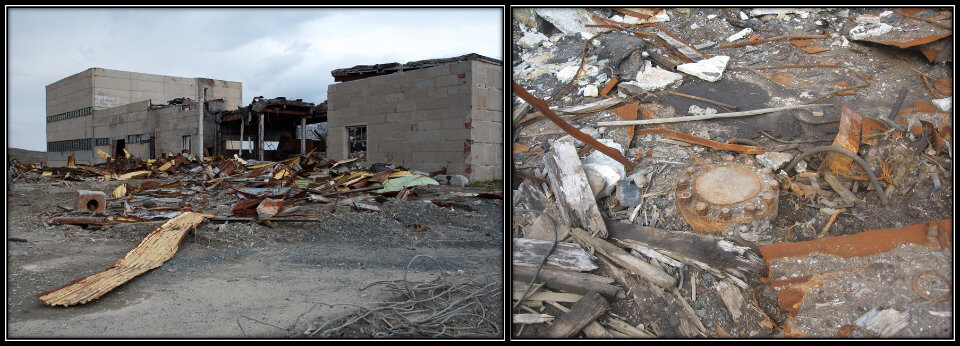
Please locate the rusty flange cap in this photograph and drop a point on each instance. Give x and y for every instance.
(715, 195)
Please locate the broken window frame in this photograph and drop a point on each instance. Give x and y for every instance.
(361, 142)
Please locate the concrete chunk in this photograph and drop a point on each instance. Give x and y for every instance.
(774, 160)
(710, 70)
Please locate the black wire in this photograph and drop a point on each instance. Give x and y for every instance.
(537, 273)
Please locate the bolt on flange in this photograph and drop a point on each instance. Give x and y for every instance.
(715, 195)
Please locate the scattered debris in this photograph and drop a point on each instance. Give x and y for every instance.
(719, 154)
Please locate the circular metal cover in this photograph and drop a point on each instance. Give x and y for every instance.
(727, 185)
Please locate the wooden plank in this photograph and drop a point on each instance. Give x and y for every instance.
(157, 247)
(566, 256)
(624, 259)
(625, 328)
(572, 282)
(711, 253)
(572, 192)
(847, 196)
(583, 312)
(595, 331)
(532, 318)
(548, 296)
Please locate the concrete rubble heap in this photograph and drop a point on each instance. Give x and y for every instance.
(732, 172)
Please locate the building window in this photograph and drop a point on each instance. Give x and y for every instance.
(356, 140)
(186, 143)
(70, 114)
(103, 141)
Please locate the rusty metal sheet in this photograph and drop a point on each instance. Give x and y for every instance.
(908, 29)
(269, 207)
(936, 234)
(247, 207)
(628, 112)
(157, 247)
(848, 137)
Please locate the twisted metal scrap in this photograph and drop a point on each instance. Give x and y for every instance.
(429, 309)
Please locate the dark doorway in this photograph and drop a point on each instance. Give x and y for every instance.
(118, 146)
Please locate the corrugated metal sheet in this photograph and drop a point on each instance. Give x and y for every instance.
(156, 248)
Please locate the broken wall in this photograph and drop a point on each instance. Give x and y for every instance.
(175, 122)
(425, 119)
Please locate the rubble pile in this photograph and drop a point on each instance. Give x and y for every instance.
(184, 190)
(666, 159)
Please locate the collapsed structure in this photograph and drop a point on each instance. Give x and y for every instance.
(441, 115)
(112, 111)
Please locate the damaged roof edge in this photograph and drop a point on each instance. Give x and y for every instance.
(363, 71)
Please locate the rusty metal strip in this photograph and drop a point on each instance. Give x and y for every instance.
(765, 40)
(156, 248)
(541, 106)
(680, 136)
(864, 243)
(609, 86)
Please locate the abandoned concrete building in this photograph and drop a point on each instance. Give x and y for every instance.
(113, 111)
(425, 115)
(428, 115)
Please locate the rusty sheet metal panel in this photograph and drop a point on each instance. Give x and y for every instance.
(156, 248)
(848, 137)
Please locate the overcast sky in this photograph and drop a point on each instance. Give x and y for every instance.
(274, 52)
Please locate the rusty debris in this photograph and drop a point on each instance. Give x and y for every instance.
(750, 95)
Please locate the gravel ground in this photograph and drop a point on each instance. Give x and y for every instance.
(225, 274)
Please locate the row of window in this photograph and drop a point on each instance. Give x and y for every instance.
(71, 114)
(102, 141)
(70, 145)
(137, 138)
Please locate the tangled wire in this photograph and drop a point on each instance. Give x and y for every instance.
(428, 309)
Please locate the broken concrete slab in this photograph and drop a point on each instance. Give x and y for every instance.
(656, 78)
(710, 70)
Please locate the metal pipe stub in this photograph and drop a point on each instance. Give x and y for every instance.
(715, 195)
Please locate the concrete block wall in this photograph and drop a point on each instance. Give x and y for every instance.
(172, 124)
(486, 130)
(416, 119)
(70, 94)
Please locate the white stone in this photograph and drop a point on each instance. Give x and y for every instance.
(694, 26)
(566, 74)
(743, 16)
(656, 79)
(590, 91)
(743, 33)
(603, 172)
(865, 31)
(531, 40)
(695, 110)
(710, 70)
(711, 16)
(569, 20)
(944, 104)
(774, 160)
